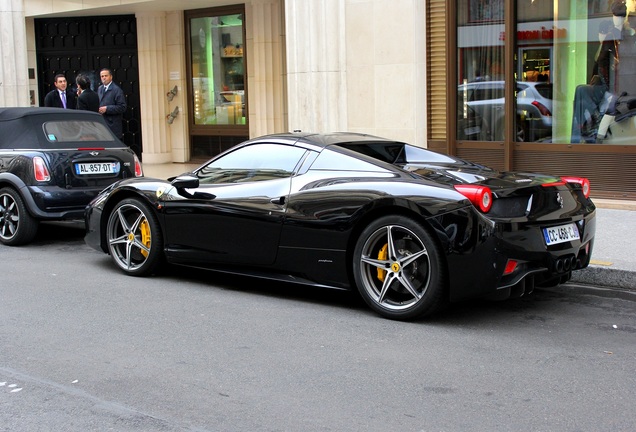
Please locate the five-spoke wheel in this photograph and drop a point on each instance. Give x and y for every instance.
(134, 237)
(398, 268)
(17, 226)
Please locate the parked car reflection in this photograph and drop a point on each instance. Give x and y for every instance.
(534, 108)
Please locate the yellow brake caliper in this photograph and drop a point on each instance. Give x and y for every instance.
(144, 227)
(382, 255)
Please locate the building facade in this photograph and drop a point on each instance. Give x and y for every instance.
(536, 85)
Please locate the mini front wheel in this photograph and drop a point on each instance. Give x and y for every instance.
(399, 269)
(134, 238)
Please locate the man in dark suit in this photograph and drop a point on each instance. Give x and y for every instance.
(87, 99)
(112, 102)
(61, 96)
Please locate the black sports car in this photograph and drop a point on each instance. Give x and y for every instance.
(409, 228)
(53, 162)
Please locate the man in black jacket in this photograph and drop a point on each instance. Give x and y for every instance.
(112, 102)
(61, 96)
(87, 99)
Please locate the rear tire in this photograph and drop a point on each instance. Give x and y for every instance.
(17, 226)
(399, 269)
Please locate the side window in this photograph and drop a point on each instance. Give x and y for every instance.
(495, 91)
(257, 162)
(336, 161)
(480, 94)
(521, 90)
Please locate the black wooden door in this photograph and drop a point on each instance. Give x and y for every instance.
(76, 45)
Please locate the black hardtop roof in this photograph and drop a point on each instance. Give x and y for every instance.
(325, 139)
(22, 127)
(14, 113)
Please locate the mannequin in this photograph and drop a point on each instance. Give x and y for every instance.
(623, 72)
(595, 105)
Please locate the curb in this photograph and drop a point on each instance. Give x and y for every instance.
(606, 277)
(609, 293)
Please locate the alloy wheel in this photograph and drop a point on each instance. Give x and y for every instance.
(395, 267)
(9, 217)
(132, 236)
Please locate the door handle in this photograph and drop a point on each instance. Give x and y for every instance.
(279, 200)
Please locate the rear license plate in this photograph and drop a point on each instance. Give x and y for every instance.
(97, 168)
(560, 234)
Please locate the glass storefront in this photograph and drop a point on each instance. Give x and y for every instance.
(574, 71)
(480, 90)
(216, 64)
(217, 70)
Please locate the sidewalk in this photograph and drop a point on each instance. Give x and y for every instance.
(613, 262)
(613, 259)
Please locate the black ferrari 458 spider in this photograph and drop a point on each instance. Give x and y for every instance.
(409, 228)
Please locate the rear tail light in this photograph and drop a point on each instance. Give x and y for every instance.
(138, 171)
(585, 184)
(40, 170)
(542, 108)
(480, 196)
(511, 266)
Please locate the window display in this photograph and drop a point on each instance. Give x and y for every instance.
(604, 91)
(480, 96)
(218, 73)
(574, 68)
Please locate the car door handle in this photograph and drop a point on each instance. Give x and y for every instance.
(279, 200)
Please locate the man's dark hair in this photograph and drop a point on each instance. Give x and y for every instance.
(619, 8)
(58, 76)
(83, 82)
(109, 70)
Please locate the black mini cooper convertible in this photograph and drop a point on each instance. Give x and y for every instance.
(409, 228)
(53, 162)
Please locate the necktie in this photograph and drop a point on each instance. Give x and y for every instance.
(63, 95)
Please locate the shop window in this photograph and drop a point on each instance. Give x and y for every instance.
(217, 70)
(480, 95)
(583, 60)
(574, 68)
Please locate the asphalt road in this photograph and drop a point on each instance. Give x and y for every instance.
(85, 348)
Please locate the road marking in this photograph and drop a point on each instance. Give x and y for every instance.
(601, 263)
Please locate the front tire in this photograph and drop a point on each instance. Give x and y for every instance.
(17, 226)
(399, 270)
(134, 238)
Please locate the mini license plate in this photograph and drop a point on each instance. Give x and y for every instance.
(97, 168)
(560, 234)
